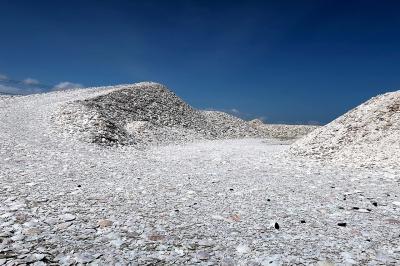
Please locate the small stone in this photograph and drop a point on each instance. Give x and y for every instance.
(21, 218)
(235, 217)
(202, 255)
(104, 223)
(342, 224)
(32, 231)
(228, 262)
(63, 226)
(34, 257)
(39, 263)
(259, 227)
(303, 221)
(162, 247)
(17, 206)
(217, 217)
(242, 249)
(325, 263)
(276, 225)
(179, 252)
(273, 260)
(205, 243)
(84, 258)
(65, 260)
(117, 242)
(156, 237)
(392, 221)
(348, 258)
(68, 217)
(6, 215)
(51, 221)
(18, 237)
(375, 204)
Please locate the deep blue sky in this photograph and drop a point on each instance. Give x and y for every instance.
(286, 61)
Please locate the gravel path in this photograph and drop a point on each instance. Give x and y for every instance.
(222, 202)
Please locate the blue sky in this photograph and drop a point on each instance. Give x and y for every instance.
(285, 61)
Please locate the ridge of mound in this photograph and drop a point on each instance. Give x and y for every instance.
(149, 113)
(368, 135)
(229, 126)
(281, 131)
(131, 114)
(256, 122)
(144, 113)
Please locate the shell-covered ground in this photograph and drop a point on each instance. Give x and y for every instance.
(244, 201)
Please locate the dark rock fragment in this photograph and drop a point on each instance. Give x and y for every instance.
(276, 226)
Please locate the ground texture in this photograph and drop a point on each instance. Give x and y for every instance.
(210, 202)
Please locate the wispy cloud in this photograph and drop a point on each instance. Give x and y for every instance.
(238, 113)
(262, 118)
(31, 85)
(31, 81)
(8, 89)
(66, 85)
(18, 87)
(313, 123)
(234, 111)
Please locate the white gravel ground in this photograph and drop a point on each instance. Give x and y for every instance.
(218, 202)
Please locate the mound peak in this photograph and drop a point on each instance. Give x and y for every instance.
(123, 113)
(256, 122)
(368, 135)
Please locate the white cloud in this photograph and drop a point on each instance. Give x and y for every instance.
(313, 123)
(234, 110)
(19, 91)
(8, 89)
(31, 81)
(65, 85)
(262, 118)
(3, 77)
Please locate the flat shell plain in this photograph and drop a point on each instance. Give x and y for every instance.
(209, 202)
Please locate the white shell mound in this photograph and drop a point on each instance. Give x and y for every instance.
(368, 135)
(147, 113)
